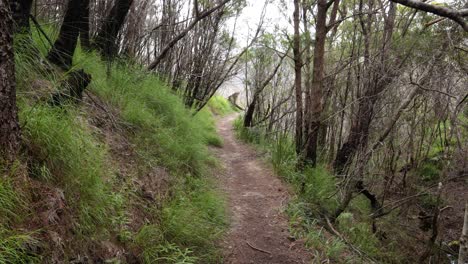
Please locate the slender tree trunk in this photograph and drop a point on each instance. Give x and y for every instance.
(463, 254)
(84, 25)
(62, 52)
(198, 17)
(9, 125)
(298, 79)
(21, 10)
(106, 40)
(360, 126)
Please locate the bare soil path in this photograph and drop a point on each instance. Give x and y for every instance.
(256, 199)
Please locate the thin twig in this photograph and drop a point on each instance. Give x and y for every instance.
(258, 249)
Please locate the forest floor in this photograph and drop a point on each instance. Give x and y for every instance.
(256, 199)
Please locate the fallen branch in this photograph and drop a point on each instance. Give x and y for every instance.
(258, 249)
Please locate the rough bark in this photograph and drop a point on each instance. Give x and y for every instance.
(106, 40)
(9, 125)
(298, 79)
(20, 10)
(317, 83)
(61, 53)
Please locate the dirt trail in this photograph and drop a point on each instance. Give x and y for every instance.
(259, 229)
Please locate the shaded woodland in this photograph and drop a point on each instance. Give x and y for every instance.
(360, 105)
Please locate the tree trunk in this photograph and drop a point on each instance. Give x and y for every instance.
(106, 40)
(317, 83)
(84, 26)
(298, 79)
(463, 254)
(360, 125)
(9, 125)
(250, 112)
(21, 10)
(62, 52)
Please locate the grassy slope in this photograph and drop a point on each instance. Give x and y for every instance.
(125, 171)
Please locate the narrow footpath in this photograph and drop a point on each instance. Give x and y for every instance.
(256, 198)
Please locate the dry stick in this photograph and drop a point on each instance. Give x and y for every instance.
(258, 249)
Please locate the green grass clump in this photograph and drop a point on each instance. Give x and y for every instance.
(190, 226)
(13, 244)
(75, 159)
(13, 248)
(206, 122)
(196, 220)
(319, 188)
(220, 105)
(163, 127)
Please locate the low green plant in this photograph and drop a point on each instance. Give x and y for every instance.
(429, 171)
(13, 248)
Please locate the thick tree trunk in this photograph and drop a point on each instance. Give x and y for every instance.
(21, 10)
(62, 52)
(317, 83)
(9, 126)
(106, 40)
(298, 79)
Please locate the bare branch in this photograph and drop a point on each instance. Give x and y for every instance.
(455, 15)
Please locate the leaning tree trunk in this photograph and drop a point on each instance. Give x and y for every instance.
(61, 53)
(9, 126)
(21, 10)
(106, 41)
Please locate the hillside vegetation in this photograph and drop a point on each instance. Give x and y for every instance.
(124, 173)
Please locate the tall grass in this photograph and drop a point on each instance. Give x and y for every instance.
(220, 105)
(64, 152)
(163, 126)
